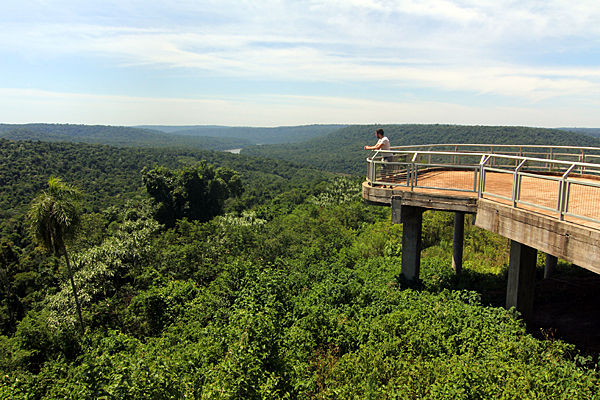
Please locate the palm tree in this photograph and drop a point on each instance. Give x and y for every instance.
(54, 219)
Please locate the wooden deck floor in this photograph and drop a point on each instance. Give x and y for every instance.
(583, 200)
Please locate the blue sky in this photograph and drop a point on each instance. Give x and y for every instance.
(296, 62)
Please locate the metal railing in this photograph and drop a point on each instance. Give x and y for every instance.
(564, 153)
(563, 181)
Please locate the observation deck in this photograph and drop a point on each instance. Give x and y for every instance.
(540, 197)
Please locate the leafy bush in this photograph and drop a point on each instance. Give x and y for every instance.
(153, 310)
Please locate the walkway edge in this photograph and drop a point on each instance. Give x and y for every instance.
(574, 243)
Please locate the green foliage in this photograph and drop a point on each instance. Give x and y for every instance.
(54, 215)
(196, 193)
(11, 281)
(103, 270)
(54, 220)
(595, 132)
(258, 135)
(342, 150)
(302, 306)
(35, 343)
(447, 346)
(110, 176)
(338, 191)
(298, 298)
(116, 136)
(156, 308)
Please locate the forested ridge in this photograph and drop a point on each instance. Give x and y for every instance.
(595, 132)
(342, 150)
(116, 136)
(258, 135)
(201, 137)
(110, 176)
(292, 291)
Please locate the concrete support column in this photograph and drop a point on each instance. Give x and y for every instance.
(550, 267)
(458, 242)
(521, 278)
(412, 220)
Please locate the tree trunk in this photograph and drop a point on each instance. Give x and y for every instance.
(11, 325)
(74, 290)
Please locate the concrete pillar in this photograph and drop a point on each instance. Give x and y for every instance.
(551, 263)
(412, 220)
(458, 242)
(521, 278)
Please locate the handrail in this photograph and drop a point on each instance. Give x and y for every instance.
(415, 169)
(581, 152)
(534, 146)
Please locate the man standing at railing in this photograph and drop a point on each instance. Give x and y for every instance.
(383, 143)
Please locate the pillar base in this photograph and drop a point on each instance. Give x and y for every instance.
(521, 279)
(458, 242)
(550, 267)
(412, 221)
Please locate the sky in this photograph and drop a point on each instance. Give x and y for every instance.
(299, 62)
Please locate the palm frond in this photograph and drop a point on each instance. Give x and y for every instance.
(54, 215)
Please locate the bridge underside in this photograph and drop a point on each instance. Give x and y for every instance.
(528, 231)
(574, 243)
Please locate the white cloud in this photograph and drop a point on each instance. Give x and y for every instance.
(269, 110)
(482, 47)
(282, 58)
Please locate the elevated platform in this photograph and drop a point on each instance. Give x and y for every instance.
(574, 240)
(554, 212)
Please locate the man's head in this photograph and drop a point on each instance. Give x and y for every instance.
(379, 133)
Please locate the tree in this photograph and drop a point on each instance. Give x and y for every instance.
(9, 258)
(54, 217)
(197, 193)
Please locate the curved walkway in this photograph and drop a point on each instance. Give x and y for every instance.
(541, 202)
(537, 195)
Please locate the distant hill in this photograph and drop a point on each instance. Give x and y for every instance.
(282, 134)
(595, 132)
(116, 136)
(110, 175)
(342, 151)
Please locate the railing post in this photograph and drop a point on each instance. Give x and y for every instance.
(563, 194)
(371, 161)
(516, 192)
(481, 186)
(373, 171)
(376, 166)
(567, 196)
(413, 182)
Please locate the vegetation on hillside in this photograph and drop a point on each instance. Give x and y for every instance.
(110, 176)
(299, 304)
(342, 151)
(116, 136)
(195, 193)
(280, 134)
(200, 137)
(595, 132)
(291, 290)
